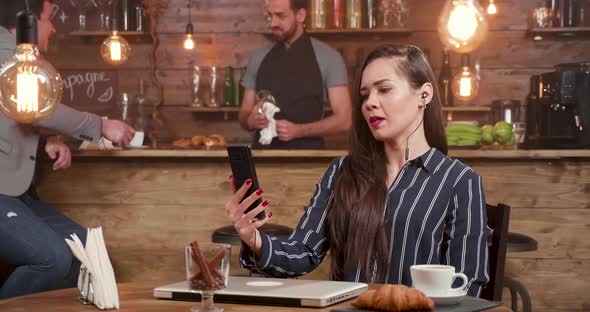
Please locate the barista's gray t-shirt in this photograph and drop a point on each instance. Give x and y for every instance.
(330, 61)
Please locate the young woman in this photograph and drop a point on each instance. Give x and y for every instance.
(394, 201)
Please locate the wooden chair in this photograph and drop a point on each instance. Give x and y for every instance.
(498, 218)
(5, 271)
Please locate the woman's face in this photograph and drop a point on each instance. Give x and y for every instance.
(390, 105)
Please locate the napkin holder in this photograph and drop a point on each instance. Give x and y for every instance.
(85, 286)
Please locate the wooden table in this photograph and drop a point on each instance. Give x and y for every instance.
(137, 297)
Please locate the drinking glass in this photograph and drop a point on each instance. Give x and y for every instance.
(264, 96)
(81, 6)
(207, 270)
(104, 6)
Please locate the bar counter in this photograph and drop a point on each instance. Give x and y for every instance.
(221, 153)
(152, 202)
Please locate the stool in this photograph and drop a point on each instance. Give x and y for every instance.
(228, 235)
(519, 243)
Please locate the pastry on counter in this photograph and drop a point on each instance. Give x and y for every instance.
(198, 140)
(182, 143)
(216, 140)
(394, 298)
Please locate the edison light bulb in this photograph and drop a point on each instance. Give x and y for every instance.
(492, 10)
(115, 49)
(462, 25)
(465, 83)
(189, 42)
(30, 87)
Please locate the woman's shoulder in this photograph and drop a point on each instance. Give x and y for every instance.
(332, 171)
(453, 167)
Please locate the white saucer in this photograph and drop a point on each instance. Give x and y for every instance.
(453, 297)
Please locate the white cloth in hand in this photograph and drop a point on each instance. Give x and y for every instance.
(267, 134)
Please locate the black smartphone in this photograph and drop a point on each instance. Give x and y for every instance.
(242, 167)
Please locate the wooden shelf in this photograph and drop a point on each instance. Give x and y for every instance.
(107, 33)
(540, 33)
(483, 109)
(223, 109)
(363, 31)
(211, 109)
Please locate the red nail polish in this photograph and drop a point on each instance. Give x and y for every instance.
(249, 181)
(269, 214)
(259, 192)
(265, 203)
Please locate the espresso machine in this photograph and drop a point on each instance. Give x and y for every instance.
(558, 108)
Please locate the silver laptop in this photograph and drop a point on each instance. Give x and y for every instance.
(271, 291)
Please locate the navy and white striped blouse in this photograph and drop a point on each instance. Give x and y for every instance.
(435, 214)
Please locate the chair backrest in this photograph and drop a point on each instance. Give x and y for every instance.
(5, 271)
(498, 218)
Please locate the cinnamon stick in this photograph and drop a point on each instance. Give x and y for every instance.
(202, 263)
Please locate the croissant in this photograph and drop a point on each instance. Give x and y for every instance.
(183, 143)
(215, 140)
(198, 140)
(394, 298)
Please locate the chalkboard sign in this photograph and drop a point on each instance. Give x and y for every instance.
(90, 87)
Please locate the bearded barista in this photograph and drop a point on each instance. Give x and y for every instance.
(302, 74)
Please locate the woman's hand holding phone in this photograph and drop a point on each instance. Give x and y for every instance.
(246, 223)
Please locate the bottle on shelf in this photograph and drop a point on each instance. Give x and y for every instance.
(140, 123)
(318, 14)
(229, 88)
(139, 20)
(241, 89)
(125, 10)
(444, 81)
(369, 14)
(336, 16)
(354, 14)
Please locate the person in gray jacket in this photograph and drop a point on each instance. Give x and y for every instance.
(32, 233)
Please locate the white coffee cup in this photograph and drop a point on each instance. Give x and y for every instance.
(137, 140)
(436, 280)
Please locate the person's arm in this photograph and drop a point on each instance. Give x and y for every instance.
(70, 122)
(307, 246)
(249, 117)
(87, 126)
(467, 233)
(340, 121)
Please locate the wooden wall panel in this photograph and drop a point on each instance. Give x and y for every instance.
(229, 31)
(149, 208)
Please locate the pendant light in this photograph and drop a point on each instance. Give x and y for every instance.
(115, 49)
(30, 87)
(189, 42)
(462, 25)
(465, 83)
(492, 9)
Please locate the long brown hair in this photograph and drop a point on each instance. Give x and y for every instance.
(355, 220)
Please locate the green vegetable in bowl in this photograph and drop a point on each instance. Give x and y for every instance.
(487, 134)
(503, 133)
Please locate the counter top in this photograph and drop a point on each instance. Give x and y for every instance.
(221, 153)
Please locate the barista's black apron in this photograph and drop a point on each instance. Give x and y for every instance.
(294, 78)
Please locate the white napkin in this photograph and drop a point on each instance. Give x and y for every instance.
(270, 132)
(103, 144)
(101, 290)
